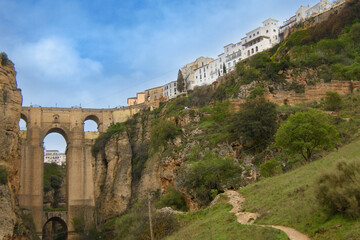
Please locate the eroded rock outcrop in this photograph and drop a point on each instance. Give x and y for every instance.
(112, 175)
(10, 107)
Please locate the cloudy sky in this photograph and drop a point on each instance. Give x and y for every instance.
(97, 53)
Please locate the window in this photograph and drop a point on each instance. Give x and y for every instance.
(257, 33)
(234, 62)
(267, 31)
(274, 30)
(174, 83)
(256, 49)
(204, 75)
(252, 50)
(248, 52)
(229, 64)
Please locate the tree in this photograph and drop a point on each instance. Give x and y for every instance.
(180, 82)
(306, 131)
(224, 68)
(256, 124)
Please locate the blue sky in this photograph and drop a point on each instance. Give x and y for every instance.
(97, 53)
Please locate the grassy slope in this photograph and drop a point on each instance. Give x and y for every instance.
(289, 199)
(218, 223)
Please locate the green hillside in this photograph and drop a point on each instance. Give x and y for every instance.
(290, 199)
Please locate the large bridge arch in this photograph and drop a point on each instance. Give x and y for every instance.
(69, 122)
(51, 231)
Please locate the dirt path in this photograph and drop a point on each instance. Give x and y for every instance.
(235, 199)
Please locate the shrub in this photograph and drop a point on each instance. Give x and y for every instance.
(103, 138)
(173, 199)
(135, 224)
(258, 91)
(4, 59)
(332, 101)
(3, 175)
(270, 168)
(161, 132)
(298, 88)
(255, 125)
(211, 174)
(340, 190)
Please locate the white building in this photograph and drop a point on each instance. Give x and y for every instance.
(257, 40)
(261, 38)
(54, 156)
(305, 12)
(189, 69)
(169, 90)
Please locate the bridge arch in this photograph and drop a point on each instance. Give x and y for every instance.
(55, 228)
(91, 118)
(60, 130)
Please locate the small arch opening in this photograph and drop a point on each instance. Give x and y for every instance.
(91, 124)
(55, 229)
(23, 122)
(22, 125)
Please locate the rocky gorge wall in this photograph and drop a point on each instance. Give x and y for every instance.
(10, 107)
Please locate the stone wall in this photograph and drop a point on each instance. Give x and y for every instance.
(313, 93)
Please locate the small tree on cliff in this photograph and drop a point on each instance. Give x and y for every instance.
(224, 68)
(180, 82)
(306, 131)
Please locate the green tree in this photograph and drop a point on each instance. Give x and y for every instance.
(306, 131)
(180, 82)
(332, 101)
(256, 124)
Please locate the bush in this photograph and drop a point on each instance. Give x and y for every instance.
(4, 59)
(211, 174)
(255, 125)
(270, 168)
(332, 101)
(161, 132)
(340, 190)
(103, 138)
(3, 175)
(173, 199)
(258, 91)
(135, 224)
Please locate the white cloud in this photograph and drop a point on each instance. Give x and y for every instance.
(54, 59)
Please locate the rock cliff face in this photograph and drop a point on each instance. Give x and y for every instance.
(10, 107)
(118, 180)
(112, 175)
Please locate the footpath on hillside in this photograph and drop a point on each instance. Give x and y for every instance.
(248, 218)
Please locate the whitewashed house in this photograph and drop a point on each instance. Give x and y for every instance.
(169, 90)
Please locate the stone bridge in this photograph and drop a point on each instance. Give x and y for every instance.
(69, 122)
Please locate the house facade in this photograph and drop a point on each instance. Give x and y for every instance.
(54, 156)
(169, 90)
